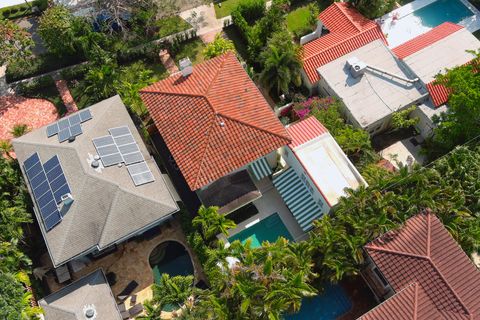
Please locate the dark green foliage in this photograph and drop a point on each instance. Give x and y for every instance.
(45, 63)
(251, 10)
(449, 188)
(460, 122)
(373, 8)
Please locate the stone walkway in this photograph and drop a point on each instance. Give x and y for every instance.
(168, 62)
(66, 96)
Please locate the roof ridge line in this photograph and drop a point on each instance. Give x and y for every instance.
(429, 233)
(338, 43)
(253, 126)
(220, 68)
(413, 255)
(347, 16)
(174, 93)
(207, 143)
(449, 287)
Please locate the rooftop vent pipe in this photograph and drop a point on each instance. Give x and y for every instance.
(358, 68)
(186, 67)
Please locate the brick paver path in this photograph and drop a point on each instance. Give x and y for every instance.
(168, 62)
(66, 96)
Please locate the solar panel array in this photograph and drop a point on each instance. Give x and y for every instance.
(120, 147)
(70, 126)
(48, 184)
(140, 173)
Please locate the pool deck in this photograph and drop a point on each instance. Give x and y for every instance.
(269, 203)
(130, 262)
(398, 32)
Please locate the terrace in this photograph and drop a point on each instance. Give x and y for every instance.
(131, 261)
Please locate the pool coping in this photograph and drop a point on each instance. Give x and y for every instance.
(471, 23)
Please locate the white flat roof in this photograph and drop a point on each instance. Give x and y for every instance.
(449, 52)
(328, 167)
(373, 96)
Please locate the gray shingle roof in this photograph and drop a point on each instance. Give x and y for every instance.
(69, 302)
(107, 206)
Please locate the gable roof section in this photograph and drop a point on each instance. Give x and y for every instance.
(439, 93)
(410, 303)
(68, 303)
(107, 206)
(349, 30)
(423, 252)
(214, 121)
(305, 130)
(424, 40)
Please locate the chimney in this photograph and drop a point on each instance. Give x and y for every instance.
(186, 67)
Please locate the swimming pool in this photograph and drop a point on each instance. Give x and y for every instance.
(331, 304)
(421, 16)
(268, 229)
(440, 11)
(172, 258)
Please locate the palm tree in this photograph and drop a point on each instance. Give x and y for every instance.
(6, 148)
(281, 64)
(19, 130)
(211, 222)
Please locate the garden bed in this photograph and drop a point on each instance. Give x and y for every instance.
(171, 25)
(43, 88)
(192, 49)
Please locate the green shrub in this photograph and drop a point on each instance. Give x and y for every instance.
(75, 72)
(6, 13)
(31, 87)
(13, 10)
(42, 64)
(251, 10)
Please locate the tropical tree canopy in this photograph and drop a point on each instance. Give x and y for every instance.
(218, 47)
(15, 42)
(373, 8)
(460, 122)
(449, 188)
(212, 223)
(281, 63)
(57, 28)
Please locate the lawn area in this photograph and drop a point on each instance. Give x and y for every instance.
(192, 49)
(297, 20)
(171, 25)
(226, 8)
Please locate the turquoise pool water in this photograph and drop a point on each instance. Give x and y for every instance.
(268, 229)
(441, 11)
(331, 304)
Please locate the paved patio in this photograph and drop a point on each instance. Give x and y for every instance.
(404, 151)
(130, 262)
(269, 203)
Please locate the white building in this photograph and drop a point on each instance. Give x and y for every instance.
(372, 84)
(431, 53)
(316, 172)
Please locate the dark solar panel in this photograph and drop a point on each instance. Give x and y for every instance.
(140, 173)
(52, 130)
(85, 115)
(41, 179)
(112, 159)
(132, 158)
(128, 148)
(124, 140)
(143, 178)
(56, 178)
(103, 141)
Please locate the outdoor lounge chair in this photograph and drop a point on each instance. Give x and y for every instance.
(128, 290)
(135, 310)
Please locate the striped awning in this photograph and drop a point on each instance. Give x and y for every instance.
(260, 168)
(297, 198)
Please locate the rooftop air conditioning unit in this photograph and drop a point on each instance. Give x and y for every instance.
(186, 67)
(357, 67)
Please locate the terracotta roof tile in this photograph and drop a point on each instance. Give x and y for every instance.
(423, 252)
(305, 130)
(424, 40)
(439, 93)
(349, 30)
(214, 121)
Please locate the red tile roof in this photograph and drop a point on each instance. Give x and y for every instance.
(424, 253)
(349, 30)
(35, 113)
(424, 40)
(305, 130)
(214, 121)
(439, 93)
(410, 303)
